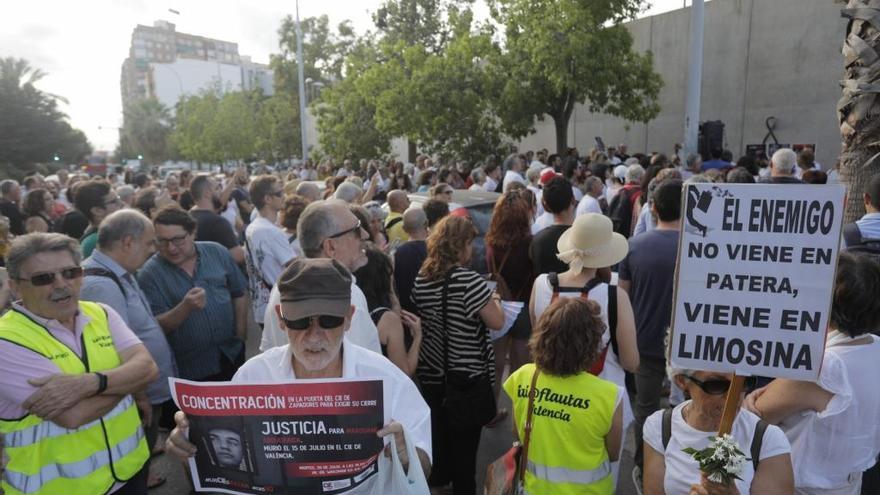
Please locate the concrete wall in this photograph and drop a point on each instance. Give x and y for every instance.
(761, 58)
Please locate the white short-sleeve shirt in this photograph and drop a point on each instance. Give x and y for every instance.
(403, 402)
(362, 332)
(682, 470)
(588, 204)
(269, 251)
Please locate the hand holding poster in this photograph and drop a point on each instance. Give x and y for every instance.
(304, 437)
(754, 278)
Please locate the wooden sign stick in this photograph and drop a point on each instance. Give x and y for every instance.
(731, 404)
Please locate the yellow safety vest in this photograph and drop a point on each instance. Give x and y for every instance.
(571, 417)
(45, 458)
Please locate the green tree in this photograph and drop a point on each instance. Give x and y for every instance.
(278, 134)
(146, 127)
(346, 123)
(324, 52)
(32, 128)
(574, 52)
(194, 116)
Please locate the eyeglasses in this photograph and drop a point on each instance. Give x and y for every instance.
(356, 228)
(46, 278)
(447, 192)
(327, 322)
(720, 386)
(177, 241)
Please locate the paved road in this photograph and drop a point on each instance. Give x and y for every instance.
(494, 442)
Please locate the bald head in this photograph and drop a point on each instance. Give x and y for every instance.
(398, 201)
(415, 224)
(309, 191)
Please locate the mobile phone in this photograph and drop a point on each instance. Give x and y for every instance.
(492, 285)
(600, 144)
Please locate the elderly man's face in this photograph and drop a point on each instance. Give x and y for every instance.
(227, 446)
(348, 248)
(58, 300)
(315, 348)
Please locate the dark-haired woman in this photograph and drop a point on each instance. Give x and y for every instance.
(507, 256)
(577, 417)
(456, 306)
(375, 280)
(37, 208)
(832, 423)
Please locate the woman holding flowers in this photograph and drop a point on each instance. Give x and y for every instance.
(759, 462)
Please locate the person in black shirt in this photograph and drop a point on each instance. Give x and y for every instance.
(410, 255)
(10, 197)
(558, 200)
(210, 225)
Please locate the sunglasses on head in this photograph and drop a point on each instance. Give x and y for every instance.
(356, 228)
(46, 278)
(327, 322)
(721, 385)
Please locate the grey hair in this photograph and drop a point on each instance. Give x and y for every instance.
(7, 186)
(697, 179)
(673, 371)
(784, 160)
(26, 246)
(533, 174)
(692, 159)
(316, 223)
(414, 219)
(634, 173)
(125, 192)
(375, 210)
(478, 175)
(308, 190)
(348, 192)
(119, 225)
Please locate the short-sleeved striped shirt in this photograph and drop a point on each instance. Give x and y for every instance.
(470, 348)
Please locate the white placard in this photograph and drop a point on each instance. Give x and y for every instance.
(755, 272)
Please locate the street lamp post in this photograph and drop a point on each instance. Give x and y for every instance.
(302, 87)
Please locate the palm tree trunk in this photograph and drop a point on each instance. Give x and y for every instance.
(858, 110)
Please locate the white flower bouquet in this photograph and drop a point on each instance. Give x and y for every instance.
(722, 461)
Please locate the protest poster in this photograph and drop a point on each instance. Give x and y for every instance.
(754, 278)
(304, 437)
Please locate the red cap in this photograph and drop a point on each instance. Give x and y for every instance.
(547, 176)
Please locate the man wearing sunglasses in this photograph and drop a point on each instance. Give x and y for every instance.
(328, 229)
(68, 363)
(266, 245)
(315, 311)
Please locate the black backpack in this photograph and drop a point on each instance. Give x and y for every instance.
(620, 211)
(857, 244)
(757, 439)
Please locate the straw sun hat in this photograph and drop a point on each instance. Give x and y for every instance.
(591, 243)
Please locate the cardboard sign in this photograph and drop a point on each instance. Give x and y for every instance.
(304, 437)
(754, 278)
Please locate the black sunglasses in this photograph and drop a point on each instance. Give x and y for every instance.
(356, 228)
(720, 386)
(41, 279)
(327, 322)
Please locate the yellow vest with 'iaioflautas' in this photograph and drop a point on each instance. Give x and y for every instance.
(570, 418)
(45, 458)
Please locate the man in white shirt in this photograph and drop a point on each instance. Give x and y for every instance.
(315, 311)
(267, 246)
(590, 202)
(493, 175)
(328, 229)
(516, 168)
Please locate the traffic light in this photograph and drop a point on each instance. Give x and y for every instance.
(140, 157)
(56, 158)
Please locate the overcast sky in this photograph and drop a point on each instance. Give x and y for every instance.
(81, 45)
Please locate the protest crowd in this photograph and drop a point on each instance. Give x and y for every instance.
(553, 310)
